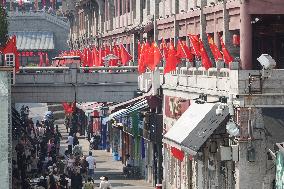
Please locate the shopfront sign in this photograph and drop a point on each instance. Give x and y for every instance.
(175, 106)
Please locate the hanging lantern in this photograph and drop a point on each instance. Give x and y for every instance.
(236, 40)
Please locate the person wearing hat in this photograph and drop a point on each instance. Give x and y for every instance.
(104, 184)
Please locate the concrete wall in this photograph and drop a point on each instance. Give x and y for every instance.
(82, 87)
(41, 22)
(5, 132)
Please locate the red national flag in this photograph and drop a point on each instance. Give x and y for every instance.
(85, 57)
(155, 55)
(204, 57)
(141, 66)
(89, 58)
(46, 59)
(125, 56)
(96, 57)
(146, 55)
(194, 40)
(101, 55)
(183, 51)
(107, 51)
(171, 61)
(164, 48)
(214, 49)
(40, 60)
(226, 55)
(11, 47)
(69, 108)
(116, 52)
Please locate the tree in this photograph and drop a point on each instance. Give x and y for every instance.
(3, 26)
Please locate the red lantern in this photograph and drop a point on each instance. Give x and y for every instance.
(236, 40)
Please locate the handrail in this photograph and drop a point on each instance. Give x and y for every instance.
(52, 18)
(43, 68)
(110, 68)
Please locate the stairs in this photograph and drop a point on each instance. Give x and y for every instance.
(58, 113)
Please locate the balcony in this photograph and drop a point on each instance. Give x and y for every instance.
(249, 87)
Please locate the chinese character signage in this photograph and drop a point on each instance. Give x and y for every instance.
(175, 106)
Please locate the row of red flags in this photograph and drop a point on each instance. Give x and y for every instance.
(149, 56)
(95, 57)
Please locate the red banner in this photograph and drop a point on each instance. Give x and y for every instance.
(175, 107)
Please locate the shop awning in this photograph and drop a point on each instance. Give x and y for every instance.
(126, 104)
(194, 127)
(135, 107)
(34, 40)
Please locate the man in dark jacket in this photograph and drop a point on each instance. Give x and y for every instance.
(76, 180)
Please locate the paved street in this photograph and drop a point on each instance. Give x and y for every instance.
(107, 166)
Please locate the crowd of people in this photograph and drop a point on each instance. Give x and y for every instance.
(39, 162)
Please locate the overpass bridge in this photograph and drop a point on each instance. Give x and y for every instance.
(69, 84)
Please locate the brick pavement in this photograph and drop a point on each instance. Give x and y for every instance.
(107, 166)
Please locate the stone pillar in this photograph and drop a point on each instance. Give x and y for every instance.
(176, 25)
(156, 16)
(111, 14)
(164, 8)
(246, 37)
(139, 11)
(5, 130)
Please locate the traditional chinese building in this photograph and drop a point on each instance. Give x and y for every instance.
(226, 118)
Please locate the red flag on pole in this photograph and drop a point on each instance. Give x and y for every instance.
(146, 55)
(46, 59)
(226, 55)
(69, 108)
(155, 55)
(194, 40)
(171, 61)
(204, 56)
(125, 56)
(215, 51)
(40, 60)
(141, 61)
(96, 57)
(90, 58)
(183, 51)
(116, 52)
(164, 48)
(101, 55)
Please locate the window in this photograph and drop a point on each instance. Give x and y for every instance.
(10, 59)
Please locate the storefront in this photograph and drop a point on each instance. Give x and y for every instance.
(192, 147)
(137, 136)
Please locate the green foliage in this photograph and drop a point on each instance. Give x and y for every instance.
(3, 26)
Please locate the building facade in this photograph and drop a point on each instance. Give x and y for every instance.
(221, 158)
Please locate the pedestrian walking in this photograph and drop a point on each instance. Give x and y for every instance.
(70, 141)
(76, 180)
(91, 165)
